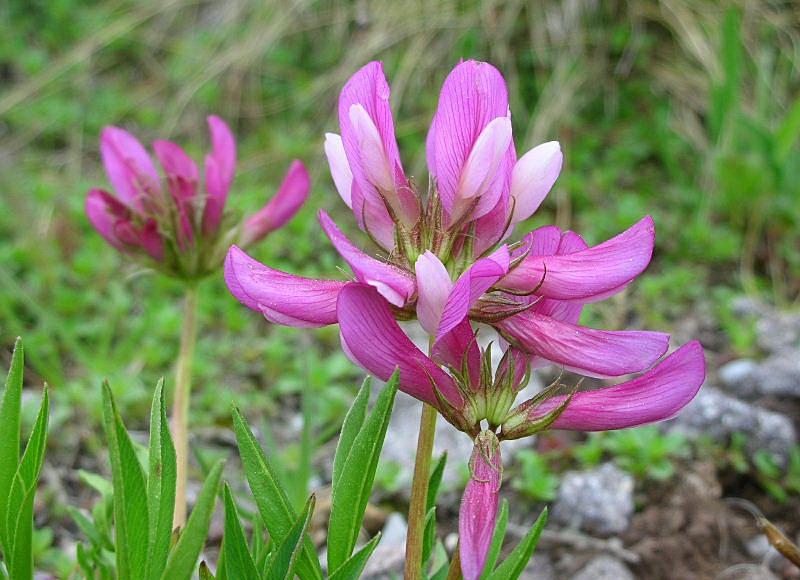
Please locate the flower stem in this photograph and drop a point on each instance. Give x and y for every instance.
(180, 408)
(454, 573)
(419, 493)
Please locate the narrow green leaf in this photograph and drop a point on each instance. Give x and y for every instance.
(283, 562)
(238, 560)
(352, 568)
(9, 431)
(517, 560)
(19, 514)
(161, 483)
(350, 496)
(429, 537)
(435, 481)
(97, 482)
(788, 131)
(497, 539)
(86, 526)
(130, 494)
(353, 422)
(271, 499)
(183, 557)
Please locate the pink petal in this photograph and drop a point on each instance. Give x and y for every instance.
(473, 95)
(394, 284)
(470, 286)
(281, 297)
(657, 395)
(590, 272)
(533, 177)
(182, 180)
(340, 168)
(365, 118)
(129, 167)
(478, 513)
(457, 344)
(591, 352)
(373, 339)
(220, 170)
(115, 222)
(479, 174)
(433, 288)
(372, 217)
(290, 197)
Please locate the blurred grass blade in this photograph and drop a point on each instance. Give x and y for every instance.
(130, 494)
(497, 539)
(788, 132)
(10, 409)
(271, 499)
(517, 560)
(161, 481)
(183, 557)
(238, 560)
(284, 559)
(353, 422)
(19, 518)
(352, 568)
(350, 496)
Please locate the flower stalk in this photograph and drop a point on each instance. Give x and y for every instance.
(180, 409)
(419, 493)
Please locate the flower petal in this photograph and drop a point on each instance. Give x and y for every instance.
(129, 167)
(478, 513)
(394, 284)
(470, 286)
(589, 272)
(472, 96)
(105, 211)
(591, 352)
(533, 177)
(282, 298)
(182, 180)
(657, 395)
(372, 338)
(220, 170)
(291, 195)
(367, 127)
(340, 168)
(433, 288)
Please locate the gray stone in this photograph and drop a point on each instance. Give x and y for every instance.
(718, 416)
(779, 375)
(776, 331)
(539, 568)
(389, 557)
(739, 376)
(604, 568)
(599, 501)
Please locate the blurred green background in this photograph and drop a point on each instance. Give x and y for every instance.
(688, 111)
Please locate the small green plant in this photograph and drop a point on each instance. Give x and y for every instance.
(536, 479)
(19, 476)
(645, 452)
(780, 483)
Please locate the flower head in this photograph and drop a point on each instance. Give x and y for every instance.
(176, 225)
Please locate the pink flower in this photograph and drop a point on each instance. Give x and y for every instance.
(476, 518)
(443, 258)
(173, 224)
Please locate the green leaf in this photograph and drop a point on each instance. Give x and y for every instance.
(353, 422)
(788, 131)
(284, 559)
(352, 568)
(238, 561)
(429, 536)
(497, 539)
(19, 514)
(183, 557)
(435, 481)
(350, 496)
(517, 560)
(130, 494)
(271, 499)
(9, 431)
(161, 483)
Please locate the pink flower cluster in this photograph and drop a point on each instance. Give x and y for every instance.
(174, 225)
(446, 263)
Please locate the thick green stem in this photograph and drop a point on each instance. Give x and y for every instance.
(180, 405)
(419, 493)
